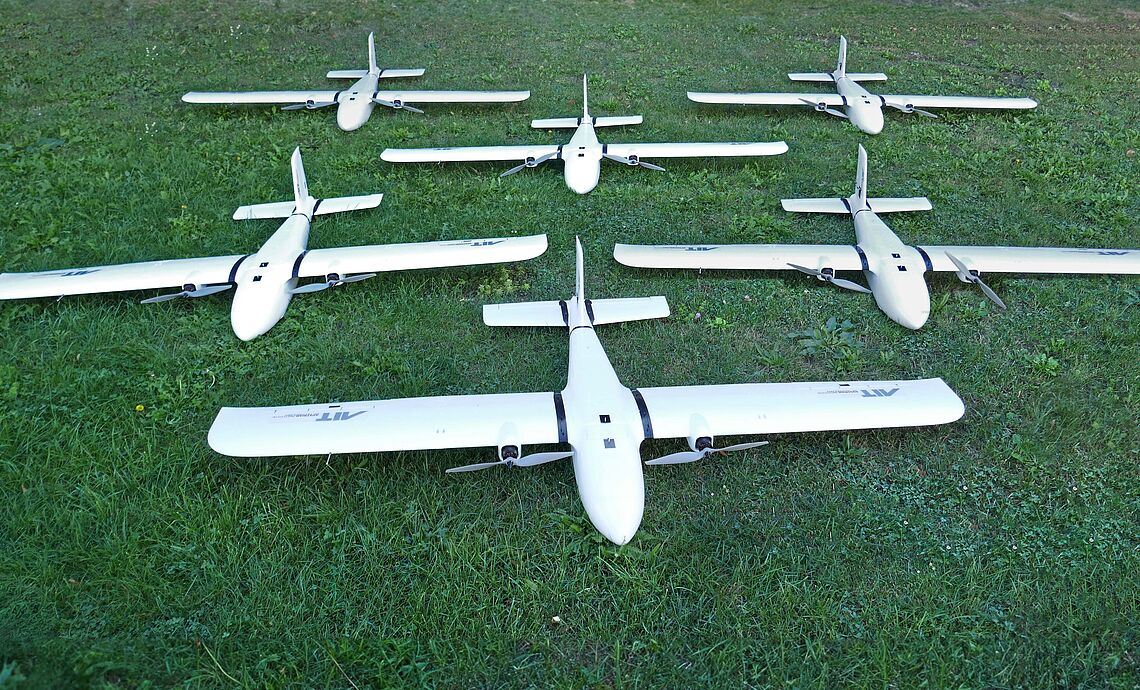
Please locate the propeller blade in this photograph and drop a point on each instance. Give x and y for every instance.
(678, 458)
(989, 292)
(357, 278)
(475, 467)
(209, 290)
(309, 105)
(925, 113)
(397, 106)
(631, 162)
(164, 298)
(542, 458)
(741, 446)
(311, 287)
(824, 108)
(958, 264)
(651, 166)
(513, 170)
(829, 278)
(969, 275)
(805, 269)
(850, 285)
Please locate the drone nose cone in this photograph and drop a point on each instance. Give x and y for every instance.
(581, 179)
(247, 331)
(618, 525)
(913, 321)
(868, 119)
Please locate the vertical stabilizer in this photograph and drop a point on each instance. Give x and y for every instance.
(580, 275)
(585, 101)
(373, 68)
(300, 184)
(841, 67)
(861, 178)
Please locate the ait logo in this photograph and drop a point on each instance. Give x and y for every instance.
(699, 249)
(338, 416)
(878, 392)
(81, 272)
(1103, 252)
(486, 243)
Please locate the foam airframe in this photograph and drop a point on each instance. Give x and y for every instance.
(603, 421)
(355, 104)
(863, 108)
(583, 154)
(265, 282)
(894, 270)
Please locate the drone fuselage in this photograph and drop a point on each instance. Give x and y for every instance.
(263, 279)
(863, 108)
(605, 431)
(355, 104)
(582, 159)
(894, 271)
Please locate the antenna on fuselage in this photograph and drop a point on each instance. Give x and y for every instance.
(585, 99)
(373, 68)
(841, 66)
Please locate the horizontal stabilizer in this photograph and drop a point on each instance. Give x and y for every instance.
(572, 122)
(896, 205)
(546, 313)
(387, 73)
(815, 205)
(826, 76)
(621, 309)
(284, 209)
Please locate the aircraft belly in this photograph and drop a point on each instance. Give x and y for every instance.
(607, 469)
(261, 297)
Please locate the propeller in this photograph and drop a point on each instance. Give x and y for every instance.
(530, 163)
(396, 105)
(692, 455)
(188, 291)
(827, 275)
(632, 161)
(822, 107)
(908, 108)
(309, 105)
(331, 280)
(973, 277)
(525, 461)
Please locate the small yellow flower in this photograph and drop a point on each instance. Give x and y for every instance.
(140, 408)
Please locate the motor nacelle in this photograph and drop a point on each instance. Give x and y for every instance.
(509, 453)
(700, 443)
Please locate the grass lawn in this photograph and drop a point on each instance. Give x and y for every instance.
(999, 551)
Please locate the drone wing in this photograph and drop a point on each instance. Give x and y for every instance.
(697, 150)
(212, 270)
(458, 421)
(772, 408)
(260, 97)
(760, 257)
(908, 102)
(403, 257)
(468, 153)
(453, 96)
(828, 99)
(1035, 259)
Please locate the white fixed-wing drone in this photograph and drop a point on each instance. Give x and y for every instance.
(584, 153)
(603, 421)
(266, 281)
(862, 108)
(355, 104)
(893, 269)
